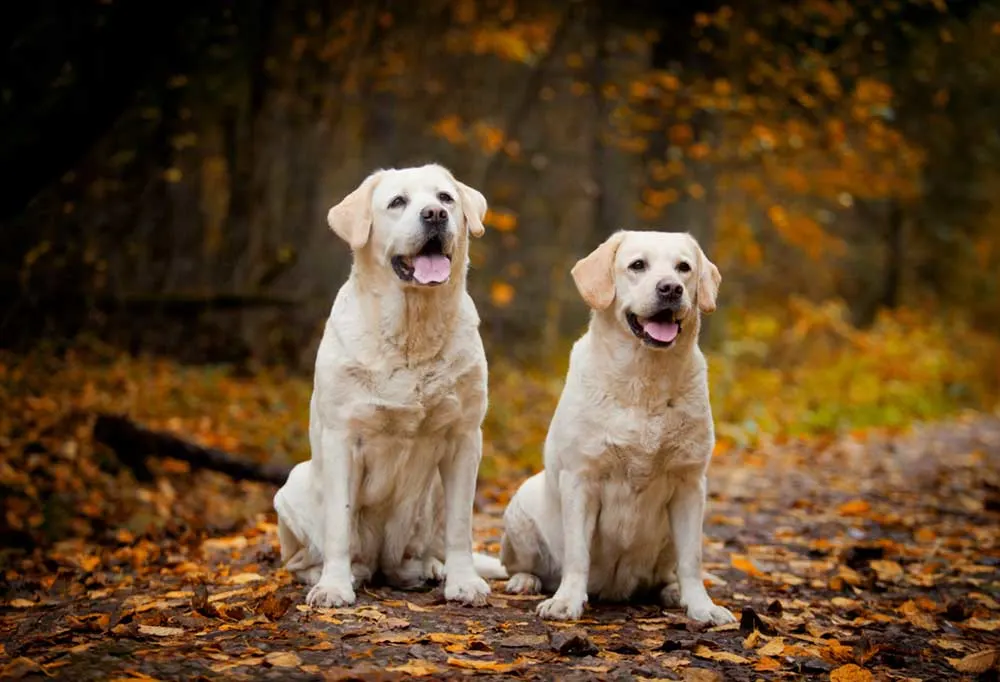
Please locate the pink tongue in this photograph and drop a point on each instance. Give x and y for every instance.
(431, 269)
(664, 332)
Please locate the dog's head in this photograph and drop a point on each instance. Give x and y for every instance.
(652, 282)
(413, 221)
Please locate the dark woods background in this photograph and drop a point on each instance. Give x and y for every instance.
(168, 166)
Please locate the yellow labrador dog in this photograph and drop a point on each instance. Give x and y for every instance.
(618, 509)
(398, 401)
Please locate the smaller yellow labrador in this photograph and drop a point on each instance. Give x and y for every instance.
(618, 509)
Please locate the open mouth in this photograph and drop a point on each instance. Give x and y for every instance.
(430, 266)
(658, 331)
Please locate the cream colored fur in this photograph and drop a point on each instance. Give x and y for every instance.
(398, 401)
(618, 508)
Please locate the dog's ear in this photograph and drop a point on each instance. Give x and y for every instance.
(351, 219)
(709, 279)
(474, 209)
(594, 274)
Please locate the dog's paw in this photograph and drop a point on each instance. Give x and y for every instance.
(560, 608)
(670, 596)
(710, 613)
(434, 570)
(471, 590)
(523, 583)
(330, 594)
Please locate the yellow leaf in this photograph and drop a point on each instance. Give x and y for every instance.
(977, 663)
(416, 668)
(413, 607)
(854, 508)
(703, 651)
(243, 578)
(887, 571)
(744, 563)
(173, 175)
(772, 648)
(490, 666)
(21, 604)
(501, 293)
(980, 624)
(916, 617)
(283, 659)
(850, 673)
(767, 663)
(448, 637)
(160, 631)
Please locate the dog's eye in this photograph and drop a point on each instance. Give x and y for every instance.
(683, 266)
(445, 198)
(398, 202)
(638, 265)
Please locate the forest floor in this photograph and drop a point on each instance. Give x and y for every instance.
(867, 556)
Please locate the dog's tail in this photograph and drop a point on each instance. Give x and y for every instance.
(488, 567)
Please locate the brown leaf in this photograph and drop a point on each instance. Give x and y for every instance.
(702, 651)
(977, 663)
(572, 642)
(416, 668)
(915, 616)
(522, 641)
(274, 607)
(283, 659)
(887, 571)
(773, 647)
(489, 666)
(850, 673)
(160, 631)
(701, 675)
(21, 604)
(980, 624)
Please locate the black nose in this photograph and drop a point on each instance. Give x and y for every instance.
(670, 291)
(433, 216)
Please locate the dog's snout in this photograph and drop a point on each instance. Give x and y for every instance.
(670, 291)
(433, 216)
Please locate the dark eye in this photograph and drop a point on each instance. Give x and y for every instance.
(445, 198)
(683, 266)
(398, 202)
(638, 265)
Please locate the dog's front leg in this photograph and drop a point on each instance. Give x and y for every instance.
(458, 476)
(687, 510)
(334, 585)
(579, 514)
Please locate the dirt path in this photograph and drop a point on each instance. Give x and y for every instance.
(850, 559)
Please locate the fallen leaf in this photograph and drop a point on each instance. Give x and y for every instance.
(850, 673)
(573, 642)
(21, 604)
(915, 616)
(949, 644)
(765, 663)
(702, 651)
(980, 624)
(700, 675)
(854, 508)
(160, 631)
(977, 663)
(283, 659)
(886, 570)
(419, 609)
(773, 647)
(745, 564)
(490, 666)
(244, 578)
(416, 667)
(521, 641)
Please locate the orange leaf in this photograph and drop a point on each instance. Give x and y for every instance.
(745, 564)
(501, 294)
(854, 508)
(850, 673)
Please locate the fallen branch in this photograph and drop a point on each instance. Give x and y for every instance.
(133, 444)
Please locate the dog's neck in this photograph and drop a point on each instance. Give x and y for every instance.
(417, 323)
(636, 373)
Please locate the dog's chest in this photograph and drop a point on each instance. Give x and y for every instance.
(406, 402)
(644, 446)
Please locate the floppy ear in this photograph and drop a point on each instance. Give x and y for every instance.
(709, 279)
(594, 274)
(474, 208)
(351, 219)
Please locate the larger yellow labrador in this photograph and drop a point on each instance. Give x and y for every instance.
(618, 508)
(398, 401)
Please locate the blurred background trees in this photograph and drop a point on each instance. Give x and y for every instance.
(168, 166)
